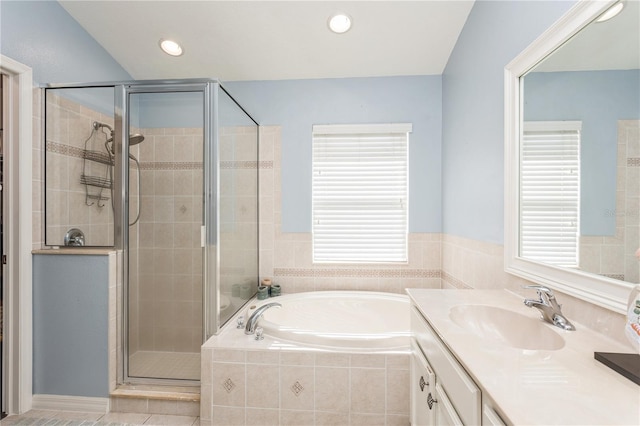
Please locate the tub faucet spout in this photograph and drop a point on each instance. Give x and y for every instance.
(252, 322)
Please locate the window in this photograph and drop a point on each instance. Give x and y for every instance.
(360, 193)
(550, 192)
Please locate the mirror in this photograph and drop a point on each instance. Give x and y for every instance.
(573, 156)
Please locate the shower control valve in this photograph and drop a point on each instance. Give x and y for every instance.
(240, 322)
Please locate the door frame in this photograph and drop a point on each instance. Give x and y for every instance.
(17, 140)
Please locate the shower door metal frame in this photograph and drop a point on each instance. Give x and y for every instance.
(211, 244)
(121, 202)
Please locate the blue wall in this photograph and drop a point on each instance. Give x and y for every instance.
(43, 36)
(70, 325)
(296, 105)
(473, 103)
(599, 99)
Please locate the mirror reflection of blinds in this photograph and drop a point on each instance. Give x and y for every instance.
(360, 193)
(550, 193)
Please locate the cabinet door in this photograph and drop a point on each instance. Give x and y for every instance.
(445, 413)
(490, 417)
(422, 388)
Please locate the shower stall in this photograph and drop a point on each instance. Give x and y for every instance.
(167, 173)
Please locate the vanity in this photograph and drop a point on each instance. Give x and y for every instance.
(483, 357)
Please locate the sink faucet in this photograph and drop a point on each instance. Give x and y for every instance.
(548, 307)
(252, 322)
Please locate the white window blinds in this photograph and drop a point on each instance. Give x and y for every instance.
(550, 192)
(360, 193)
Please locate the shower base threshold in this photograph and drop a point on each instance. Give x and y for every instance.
(165, 365)
(155, 399)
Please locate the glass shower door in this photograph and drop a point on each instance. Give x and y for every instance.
(165, 278)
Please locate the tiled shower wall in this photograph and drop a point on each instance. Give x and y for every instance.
(287, 257)
(165, 296)
(238, 215)
(69, 130)
(614, 256)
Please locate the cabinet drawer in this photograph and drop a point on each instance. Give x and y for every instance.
(423, 382)
(465, 396)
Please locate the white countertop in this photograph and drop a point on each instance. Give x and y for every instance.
(561, 387)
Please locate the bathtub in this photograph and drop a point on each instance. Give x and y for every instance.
(339, 319)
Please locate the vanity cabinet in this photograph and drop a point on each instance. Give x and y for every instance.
(423, 381)
(450, 396)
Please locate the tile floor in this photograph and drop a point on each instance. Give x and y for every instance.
(72, 418)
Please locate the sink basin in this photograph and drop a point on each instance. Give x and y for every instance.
(506, 327)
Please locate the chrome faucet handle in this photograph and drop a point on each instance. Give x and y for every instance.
(259, 333)
(541, 290)
(240, 322)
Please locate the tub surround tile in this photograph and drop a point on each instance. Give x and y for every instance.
(297, 388)
(367, 420)
(263, 390)
(262, 417)
(367, 395)
(287, 384)
(228, 355)
(296, 418)
(228, 416)
(263, 357)
(297, 358)
(368, 360)
(398, 400)
(331, 419)
(329, 359)
(398, 362)
(332, 385)
(228, 384)
(393, 420)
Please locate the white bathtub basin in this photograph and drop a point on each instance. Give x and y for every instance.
(344, 319)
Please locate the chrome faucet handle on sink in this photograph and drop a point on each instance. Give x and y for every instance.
(549, 308)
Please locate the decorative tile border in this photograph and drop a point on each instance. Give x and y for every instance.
(619, 277)
(72, 151)
(246, 164)
(448, 278)
(633, 162)
(63, 149)
(157, 165)
(356, 273)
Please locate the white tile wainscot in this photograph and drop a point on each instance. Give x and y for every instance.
(249, 382)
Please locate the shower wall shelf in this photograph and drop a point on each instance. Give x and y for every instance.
(98, 157)
(89, 178)
(96, 181)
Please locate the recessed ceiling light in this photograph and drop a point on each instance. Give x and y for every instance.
(611, 12)
(170, 47)
(340, 23)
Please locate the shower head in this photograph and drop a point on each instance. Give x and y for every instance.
(135, 139)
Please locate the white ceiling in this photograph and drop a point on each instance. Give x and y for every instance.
(608, 45)
(274, 40)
